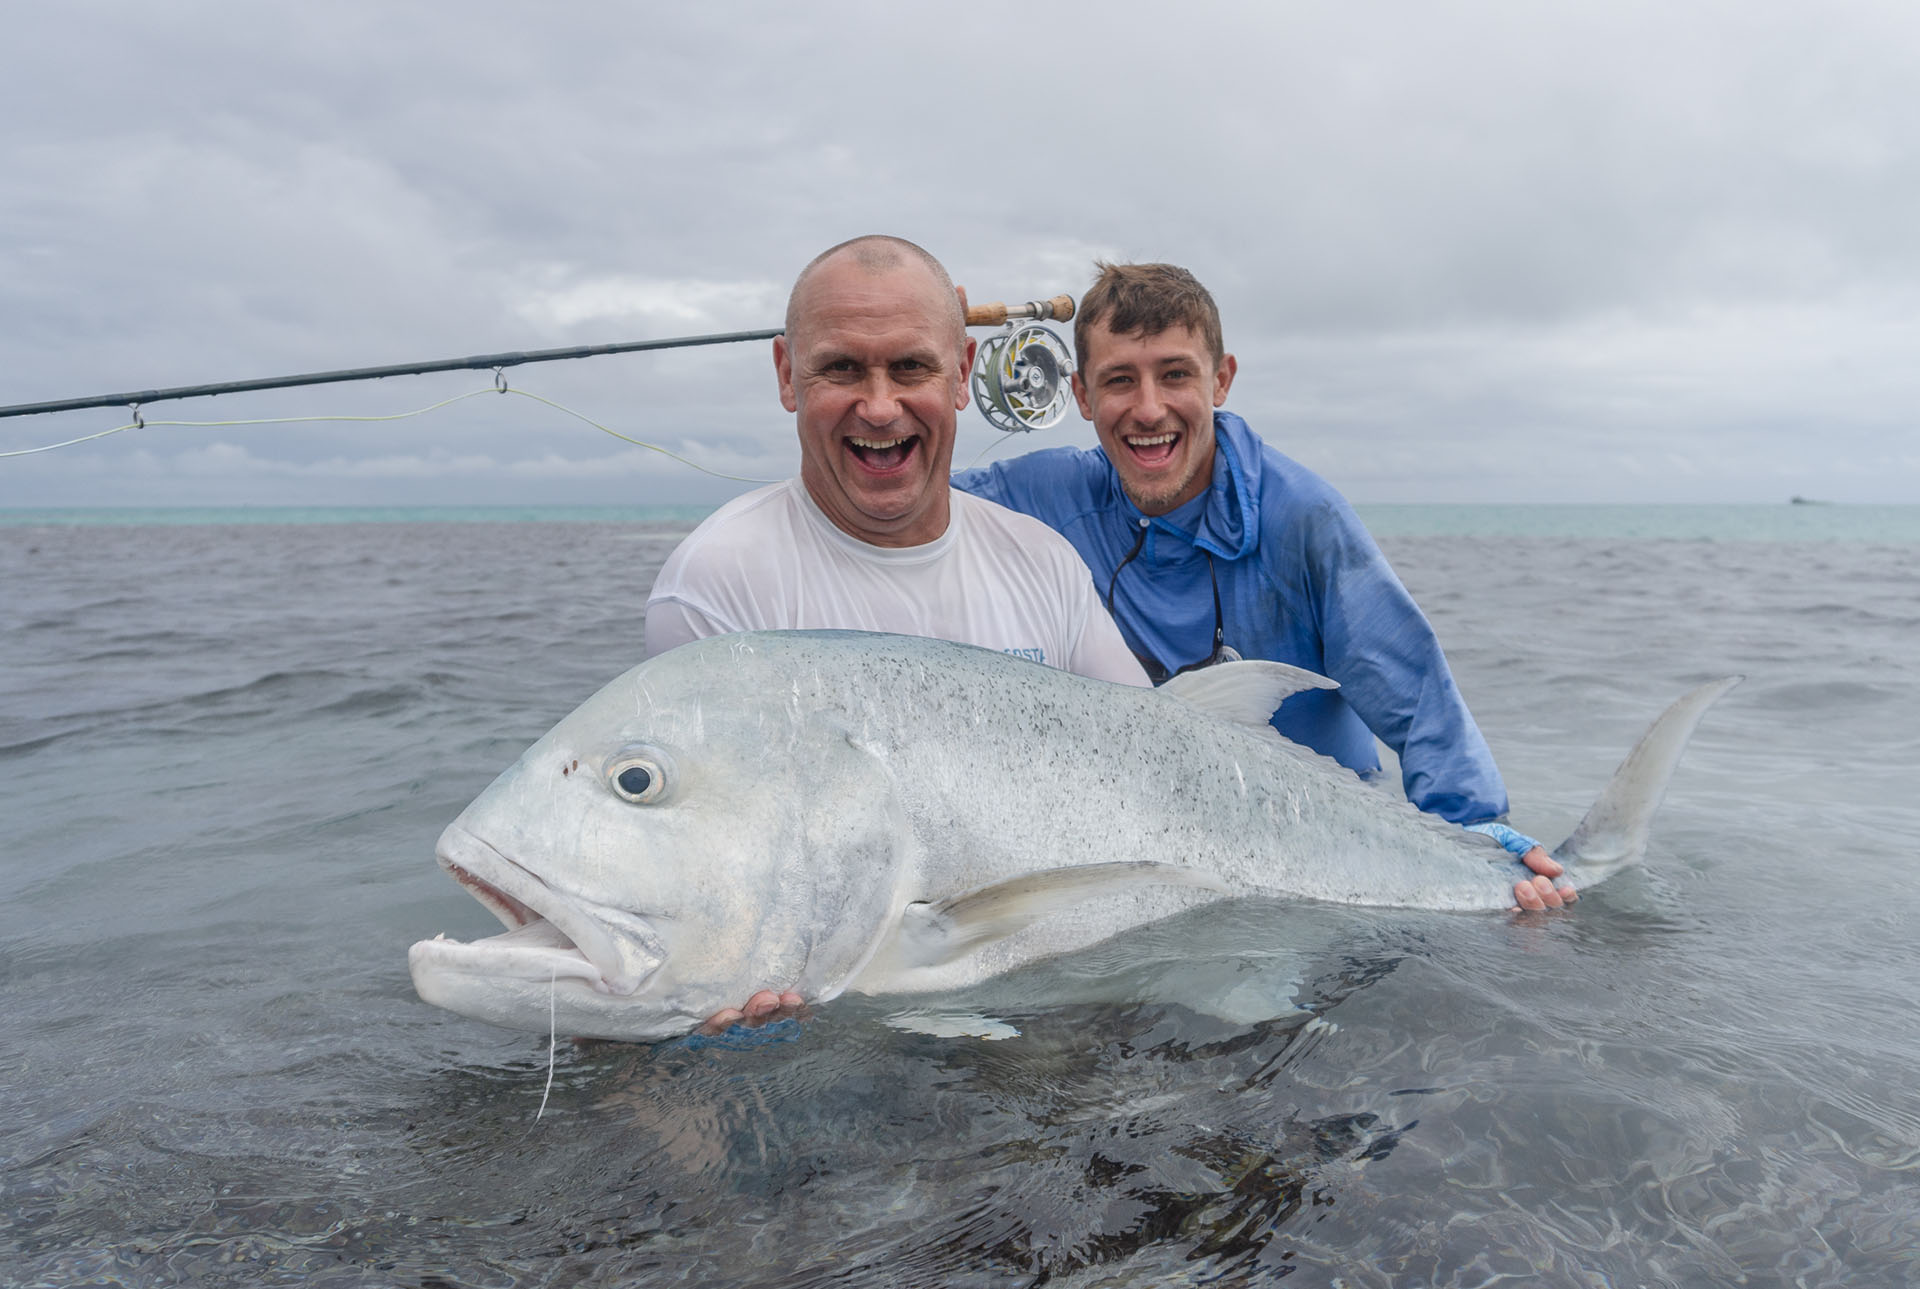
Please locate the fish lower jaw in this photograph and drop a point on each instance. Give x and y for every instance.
(536, 951)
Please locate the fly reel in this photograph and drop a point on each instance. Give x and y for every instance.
(1021, 376)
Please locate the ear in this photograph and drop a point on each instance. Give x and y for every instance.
(783, 368)
(1080, 396)
(966, 366)
(1223, 374)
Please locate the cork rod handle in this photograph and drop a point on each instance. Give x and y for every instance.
(995, 313)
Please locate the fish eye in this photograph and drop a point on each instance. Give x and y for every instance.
(638, 776)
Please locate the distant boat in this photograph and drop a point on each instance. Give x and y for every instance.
(1797, 500)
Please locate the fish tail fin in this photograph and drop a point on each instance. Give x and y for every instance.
(1614, 832)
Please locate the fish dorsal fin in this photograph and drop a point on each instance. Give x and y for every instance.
(1244, 692)
(932, 933)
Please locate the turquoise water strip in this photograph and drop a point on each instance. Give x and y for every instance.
(1750, 523)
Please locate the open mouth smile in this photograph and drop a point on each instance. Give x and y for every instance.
(884, 455)
(1152, 449)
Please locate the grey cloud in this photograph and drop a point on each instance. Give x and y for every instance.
(1464, 251)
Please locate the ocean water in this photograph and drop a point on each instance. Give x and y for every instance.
(226, 749)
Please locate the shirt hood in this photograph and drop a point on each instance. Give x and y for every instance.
(1226, 520)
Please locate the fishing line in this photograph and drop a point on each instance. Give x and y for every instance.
(140, 423)
(498, 387)
(652, 447)
(1021, 380)
(552, 1042)
(84, 438)
(981, 454)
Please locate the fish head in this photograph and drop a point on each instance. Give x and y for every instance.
(702, 828)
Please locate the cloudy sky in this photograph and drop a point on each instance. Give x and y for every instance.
(1594, 251)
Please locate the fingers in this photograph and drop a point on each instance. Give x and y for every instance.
(763, 1007)
(1542, 863)
(722, 1021)
(1525, 898)
(1539, 893)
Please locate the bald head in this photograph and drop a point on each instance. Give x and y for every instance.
(873, 365)
(879, 255)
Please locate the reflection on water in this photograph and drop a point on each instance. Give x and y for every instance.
(228, 752)
(1139, 1139)
(1404, 1120)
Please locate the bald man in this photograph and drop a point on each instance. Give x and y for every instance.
(870, 536)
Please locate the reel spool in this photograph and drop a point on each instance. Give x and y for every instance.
(1020, 379)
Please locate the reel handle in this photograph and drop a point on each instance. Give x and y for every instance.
(994, 313)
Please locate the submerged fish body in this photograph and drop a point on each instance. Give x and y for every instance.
(823, 811)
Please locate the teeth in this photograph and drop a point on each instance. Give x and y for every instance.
(879, 444)
(1151, 440)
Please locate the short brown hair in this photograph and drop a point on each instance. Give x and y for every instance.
(1147, 299)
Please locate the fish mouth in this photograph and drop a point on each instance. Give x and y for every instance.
(550, 935)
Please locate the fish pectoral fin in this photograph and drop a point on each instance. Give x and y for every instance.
(932, 933)
(1246, 693)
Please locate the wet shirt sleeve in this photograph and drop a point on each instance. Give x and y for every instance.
(1391, 670)
(1003, 485)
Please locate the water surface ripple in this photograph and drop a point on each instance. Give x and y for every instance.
(227, 750)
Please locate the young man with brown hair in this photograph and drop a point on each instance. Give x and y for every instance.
(1206, 543)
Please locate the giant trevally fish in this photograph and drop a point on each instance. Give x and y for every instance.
(825, 811)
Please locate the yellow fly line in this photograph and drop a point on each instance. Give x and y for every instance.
(500, 386)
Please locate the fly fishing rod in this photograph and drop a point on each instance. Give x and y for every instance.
(1020, 377)
(481, 362)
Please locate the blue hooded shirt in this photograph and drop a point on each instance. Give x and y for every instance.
(1300, 581)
